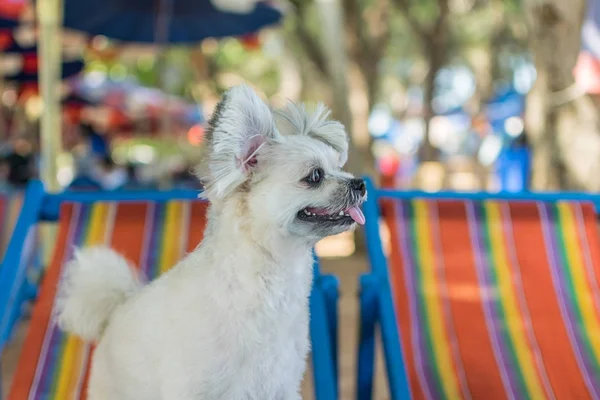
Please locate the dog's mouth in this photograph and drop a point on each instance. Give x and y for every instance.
(347, 216)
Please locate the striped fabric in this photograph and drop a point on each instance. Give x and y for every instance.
(53, 364)
(497, 300)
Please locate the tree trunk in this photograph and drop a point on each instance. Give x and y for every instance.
(290, 80)
(547, 168)
(483, 65)
(330, 14)
(435, 52)
(562, 123)
(362, 96)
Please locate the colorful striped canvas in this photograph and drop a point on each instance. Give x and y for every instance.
(497, 300)
(55, 365)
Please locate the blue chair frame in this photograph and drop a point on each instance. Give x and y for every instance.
(376, 300)
(39, 205)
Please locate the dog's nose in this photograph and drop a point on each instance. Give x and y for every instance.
(358, 185)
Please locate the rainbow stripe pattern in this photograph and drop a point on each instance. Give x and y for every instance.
(154, 235)
(496, 300)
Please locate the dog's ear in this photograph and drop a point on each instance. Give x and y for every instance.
(295, 119)
(240, 126)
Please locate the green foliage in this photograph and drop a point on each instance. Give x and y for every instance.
(253, 66)
(172, 70)
(424, 11)
(495, 26)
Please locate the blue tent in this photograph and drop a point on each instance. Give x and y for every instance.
(169, 21)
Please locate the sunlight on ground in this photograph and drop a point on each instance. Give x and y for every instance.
(341, 245)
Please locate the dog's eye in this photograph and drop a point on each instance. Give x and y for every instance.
(316, 176)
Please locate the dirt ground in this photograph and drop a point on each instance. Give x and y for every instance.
(348, 269)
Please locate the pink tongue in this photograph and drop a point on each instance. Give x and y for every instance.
(357, 215)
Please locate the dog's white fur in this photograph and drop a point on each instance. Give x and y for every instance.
(230, 320)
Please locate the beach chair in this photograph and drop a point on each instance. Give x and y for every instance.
(483, 296)
(154, 230)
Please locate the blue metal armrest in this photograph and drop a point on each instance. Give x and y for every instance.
(13, 273)
(323, 334)
(377, 305)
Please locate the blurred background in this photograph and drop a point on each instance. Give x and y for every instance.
(461, 95)
(497, 95)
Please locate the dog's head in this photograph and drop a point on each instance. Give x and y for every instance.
(286, 167)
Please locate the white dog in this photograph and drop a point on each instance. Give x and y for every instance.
(230, 320)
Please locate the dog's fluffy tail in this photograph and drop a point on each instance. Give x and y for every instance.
(96, 282)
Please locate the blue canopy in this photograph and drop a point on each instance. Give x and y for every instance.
(186, 21)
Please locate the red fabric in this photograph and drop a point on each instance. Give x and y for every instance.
(6, 39)
(12, 9)
(30, 63)
(251, 41)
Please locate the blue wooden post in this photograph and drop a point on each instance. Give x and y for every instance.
(325, 383)
(390, 334)
(366, 338)
(13, 271)
(330, 286)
